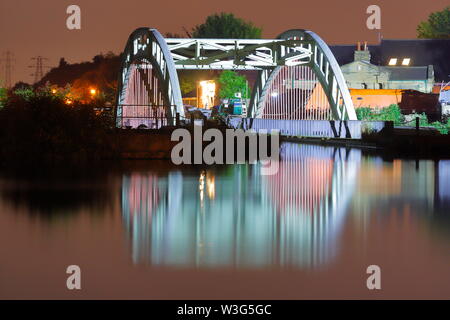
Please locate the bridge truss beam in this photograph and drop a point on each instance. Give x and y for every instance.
(237, 54)
(153, 61)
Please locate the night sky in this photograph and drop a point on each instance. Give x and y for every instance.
(30, 28)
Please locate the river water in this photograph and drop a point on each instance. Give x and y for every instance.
(150, 230)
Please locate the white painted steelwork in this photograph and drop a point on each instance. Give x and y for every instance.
(298, 76)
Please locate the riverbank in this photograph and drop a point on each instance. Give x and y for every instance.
(136, 144)
(397, 142)
(336, 142)
(392, 142)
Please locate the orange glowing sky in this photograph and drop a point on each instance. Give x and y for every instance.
(29, 27)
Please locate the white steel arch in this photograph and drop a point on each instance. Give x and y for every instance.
(321, 67)
(152, 62)
(146, 49)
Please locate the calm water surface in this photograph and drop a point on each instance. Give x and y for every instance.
(154, 231)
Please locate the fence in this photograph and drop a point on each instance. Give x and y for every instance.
(155, 117)
(147, 116)
(310, 128)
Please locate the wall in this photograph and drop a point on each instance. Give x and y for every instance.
(375, 98)
(311, 128)
(144, 144)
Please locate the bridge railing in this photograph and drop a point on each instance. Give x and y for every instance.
(145, 116)
(352, 129)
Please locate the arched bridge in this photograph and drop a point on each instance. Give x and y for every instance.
(298, 76)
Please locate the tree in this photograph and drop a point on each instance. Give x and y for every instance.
(225, 26)
(62, 63)
(230, 83)
(391, 113)
(40, 127)
(173, 35)
(436, 27)
(187, 85)
(3, 95)
(21, 86)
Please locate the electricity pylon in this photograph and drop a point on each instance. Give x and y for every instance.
(7, 61)
(38, 68)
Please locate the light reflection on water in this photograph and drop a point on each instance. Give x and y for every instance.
(152, 230)
(241, 218)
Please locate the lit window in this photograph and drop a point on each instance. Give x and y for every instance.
(393, 61)
(406, 61)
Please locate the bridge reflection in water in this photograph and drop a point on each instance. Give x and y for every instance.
(238, 217)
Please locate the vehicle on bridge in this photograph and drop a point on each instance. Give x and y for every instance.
(235, 107)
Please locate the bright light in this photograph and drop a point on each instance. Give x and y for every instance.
(211, 187)
(274, 94)
(53, 91)
(93, 92)
(393, 61)
(406, 61)
(208, 92)
(68, 101)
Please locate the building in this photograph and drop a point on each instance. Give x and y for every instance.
(398, 74)
(375, 98)
(409, 101)
(420, 52)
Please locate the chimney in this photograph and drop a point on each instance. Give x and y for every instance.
(362, 55)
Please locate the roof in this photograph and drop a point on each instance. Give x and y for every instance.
(422, 52)
(344, 54)
(407, 73)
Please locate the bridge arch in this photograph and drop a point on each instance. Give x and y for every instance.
(298, 76)
(148, 85)
(315, 89)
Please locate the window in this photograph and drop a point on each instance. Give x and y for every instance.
(406, 61)
(393, 61)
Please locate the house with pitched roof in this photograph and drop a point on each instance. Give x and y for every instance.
(398, 74)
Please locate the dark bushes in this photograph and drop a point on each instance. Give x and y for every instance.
(37, 126)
